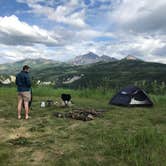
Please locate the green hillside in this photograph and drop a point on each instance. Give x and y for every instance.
(112, 74)
(108, 75)
(121, 137)
(117, 74)
(13, 68)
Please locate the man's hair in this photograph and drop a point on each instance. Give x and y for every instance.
(26, 67)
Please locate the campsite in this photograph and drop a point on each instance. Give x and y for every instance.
(82, 83)
(122, 136)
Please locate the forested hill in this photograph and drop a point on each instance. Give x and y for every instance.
(101, 74)
(112, 74)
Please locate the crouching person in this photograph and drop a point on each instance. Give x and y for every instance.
(24, 90)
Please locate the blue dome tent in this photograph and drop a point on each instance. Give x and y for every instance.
(131, 96)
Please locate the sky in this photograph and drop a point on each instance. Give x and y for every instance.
(63, 29)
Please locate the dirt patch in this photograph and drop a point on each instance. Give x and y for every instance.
(74, 126)
(3, 120)
(3, 135)
(38, 156)
(23, 149)
(19, 132)
(99, 158)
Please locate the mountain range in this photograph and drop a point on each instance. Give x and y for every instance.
(108, 71)
(35, 64)
(13, 68)
(90, 58)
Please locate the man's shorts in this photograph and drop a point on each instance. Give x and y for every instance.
(26, 96)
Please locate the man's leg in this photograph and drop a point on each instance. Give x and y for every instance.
(19, 107)
(29, 104)
(26, 97)
(26, 105)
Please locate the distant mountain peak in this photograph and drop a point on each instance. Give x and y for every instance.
(90, 52)
(104, 55)
(130, 57)
(90, 55)
(107, 58)
(90, 58)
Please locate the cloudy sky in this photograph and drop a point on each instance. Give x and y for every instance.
(63, 29)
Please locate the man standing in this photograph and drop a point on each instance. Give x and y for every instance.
(24, 90)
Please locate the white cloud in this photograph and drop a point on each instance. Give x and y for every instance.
(15, 32)
(143, 16)
(132, 27)
(89, 34)
(16, 53)
(140, 28)
(66, 13)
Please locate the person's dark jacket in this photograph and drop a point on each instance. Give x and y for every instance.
(23, 82)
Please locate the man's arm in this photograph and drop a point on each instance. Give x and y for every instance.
(17, 80)
(28, 81)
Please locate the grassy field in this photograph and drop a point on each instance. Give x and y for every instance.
(124, 136)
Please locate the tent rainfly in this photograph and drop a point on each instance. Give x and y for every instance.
(131, 96)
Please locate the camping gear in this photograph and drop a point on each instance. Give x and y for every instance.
(131, 96)
(66, 98)
(49, 103)
(43, 104)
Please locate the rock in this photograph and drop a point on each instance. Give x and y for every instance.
(58, 115)
(90, 117)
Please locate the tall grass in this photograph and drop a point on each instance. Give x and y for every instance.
(7, 91)
(121, 137)
(85, 93)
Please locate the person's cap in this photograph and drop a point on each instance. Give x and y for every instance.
(26, 67)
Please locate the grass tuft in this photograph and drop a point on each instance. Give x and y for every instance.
(19, 141)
